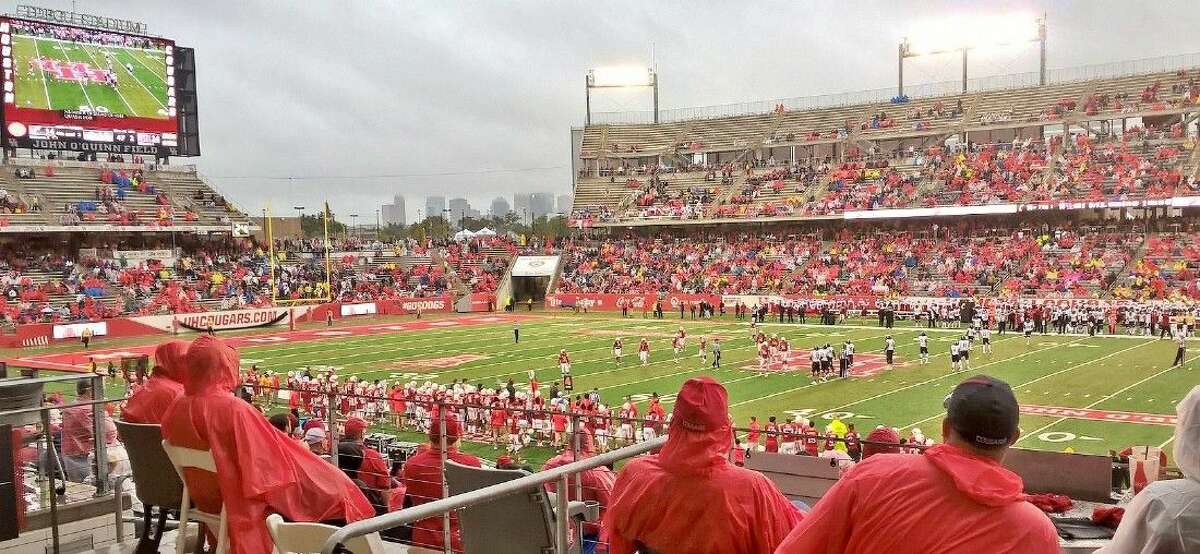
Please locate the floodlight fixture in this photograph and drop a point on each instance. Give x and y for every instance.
(619, 77)
(962, 35)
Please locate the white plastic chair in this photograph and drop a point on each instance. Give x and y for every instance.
(307, 538)
(196, 459)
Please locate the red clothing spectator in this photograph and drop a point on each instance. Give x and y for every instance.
(689, 497)
(150, 402)
(365, 464)
(597, 482)
(954, 498)
(259, 470)
(944, 501)
(423, 484)
(78, 428)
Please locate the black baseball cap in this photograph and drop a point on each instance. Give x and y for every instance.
(984, 412)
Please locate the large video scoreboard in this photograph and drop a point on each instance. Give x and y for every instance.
(94, 90)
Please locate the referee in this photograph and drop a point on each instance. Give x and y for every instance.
(1181, 341)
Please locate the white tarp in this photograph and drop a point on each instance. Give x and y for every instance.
(535, 266)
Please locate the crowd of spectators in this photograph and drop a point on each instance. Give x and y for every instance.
(1140, 163)
(1062, 260)
(40, 283)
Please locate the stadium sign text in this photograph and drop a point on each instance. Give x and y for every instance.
(82, 19)
(85, 146)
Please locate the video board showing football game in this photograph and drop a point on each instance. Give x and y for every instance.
(90, 90)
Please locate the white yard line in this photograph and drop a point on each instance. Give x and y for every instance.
(633, 364)
(128, 106)
(420, 345)
(42, 74)
(67, 53)
(143, 85)
(1046, 376)
(1102, 399)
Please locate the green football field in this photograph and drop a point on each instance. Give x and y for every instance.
(140, 94)
(1120, 389)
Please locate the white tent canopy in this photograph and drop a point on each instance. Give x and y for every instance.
(485, 232)
(464, 234)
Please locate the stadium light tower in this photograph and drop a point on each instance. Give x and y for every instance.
(619, 77)
(960, 35)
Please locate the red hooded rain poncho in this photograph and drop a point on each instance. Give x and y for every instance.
(944, 501)
(260, 470)
(689, 498)
(150, 402)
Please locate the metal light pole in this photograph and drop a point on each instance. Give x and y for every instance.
(300, 219)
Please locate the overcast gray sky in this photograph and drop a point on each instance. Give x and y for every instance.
(476, 99)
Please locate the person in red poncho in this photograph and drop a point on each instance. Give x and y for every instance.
(150, 402)
(259, 470)
(423, 483)
(954, 498)
(689, 498)
(597, 485)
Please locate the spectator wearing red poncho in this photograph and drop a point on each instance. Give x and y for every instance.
(150, 402)
(954, 498)
(259, 470)
(597, 485)
(423, 483)
(689, 497)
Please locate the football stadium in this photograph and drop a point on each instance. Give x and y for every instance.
(934, 316)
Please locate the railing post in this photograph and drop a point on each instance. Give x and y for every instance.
(53, 464)
(99, 437)
(441, 409)
(576, 446)
(119, 512)
(561, 520)
(331, 428)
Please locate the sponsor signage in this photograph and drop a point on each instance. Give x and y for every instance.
(231, 319)
(366, 308)
(75, 330)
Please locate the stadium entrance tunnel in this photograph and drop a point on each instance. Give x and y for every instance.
(524, 288)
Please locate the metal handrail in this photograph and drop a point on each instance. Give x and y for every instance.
(438, 507)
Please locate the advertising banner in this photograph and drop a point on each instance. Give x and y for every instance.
(366, 308)
(75, 330)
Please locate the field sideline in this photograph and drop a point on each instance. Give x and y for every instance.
(1120, 389)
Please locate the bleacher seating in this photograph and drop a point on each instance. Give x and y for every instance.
(849, 143)
(172, 197)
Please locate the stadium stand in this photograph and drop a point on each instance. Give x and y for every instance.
(891, 155)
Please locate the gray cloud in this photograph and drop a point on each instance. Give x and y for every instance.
(322, 88)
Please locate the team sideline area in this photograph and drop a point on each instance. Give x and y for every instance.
(1084, 393)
